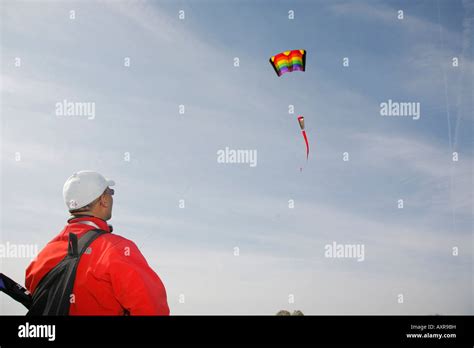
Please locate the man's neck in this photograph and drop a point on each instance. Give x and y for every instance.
(86, 214)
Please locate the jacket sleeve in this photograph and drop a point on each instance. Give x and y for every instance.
(135, 285)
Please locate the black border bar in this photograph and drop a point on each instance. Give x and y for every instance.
(243, 329)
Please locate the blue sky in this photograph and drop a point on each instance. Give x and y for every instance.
(173, 156)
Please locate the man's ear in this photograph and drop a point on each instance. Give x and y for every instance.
(103, 201)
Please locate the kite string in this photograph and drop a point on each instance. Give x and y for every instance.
(448, 116)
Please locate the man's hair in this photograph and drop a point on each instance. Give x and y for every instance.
(86, 208)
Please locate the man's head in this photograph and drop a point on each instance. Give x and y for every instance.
(88, 193)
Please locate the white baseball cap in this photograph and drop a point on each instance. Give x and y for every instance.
(83, 187)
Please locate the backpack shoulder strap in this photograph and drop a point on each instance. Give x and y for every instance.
(78, 247)
(72, 245)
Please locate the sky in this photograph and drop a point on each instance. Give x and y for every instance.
(282, 213)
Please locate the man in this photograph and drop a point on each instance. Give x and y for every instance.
(113, 277)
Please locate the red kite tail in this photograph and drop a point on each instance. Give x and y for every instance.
(306, 142)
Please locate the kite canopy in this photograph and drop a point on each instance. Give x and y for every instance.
(289, 61)
(301, 122)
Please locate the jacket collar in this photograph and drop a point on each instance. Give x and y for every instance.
(102, 224)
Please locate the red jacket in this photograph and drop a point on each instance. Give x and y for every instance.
(112, 279)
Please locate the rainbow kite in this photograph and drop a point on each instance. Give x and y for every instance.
(289, 61)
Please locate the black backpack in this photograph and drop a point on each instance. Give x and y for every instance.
(52, 295)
